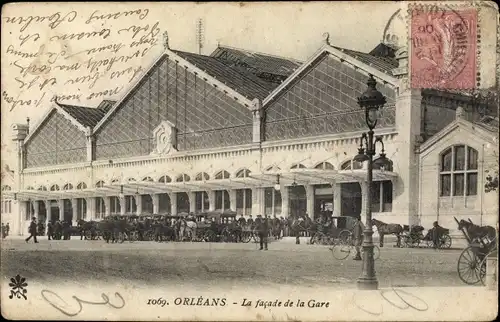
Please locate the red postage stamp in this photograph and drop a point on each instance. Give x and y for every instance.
(443, 48)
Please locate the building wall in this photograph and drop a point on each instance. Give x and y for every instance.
(203, 116)
(323, 101)
(57, 141)
(481, 209)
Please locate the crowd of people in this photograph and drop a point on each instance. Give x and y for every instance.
(5, 230)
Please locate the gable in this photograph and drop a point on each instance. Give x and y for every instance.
(204, 116)
(56, 141)
(322, 101)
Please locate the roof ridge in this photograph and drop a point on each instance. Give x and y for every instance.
(249, 76)
(261, 53)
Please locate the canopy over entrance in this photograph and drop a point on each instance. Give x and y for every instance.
(260, 180)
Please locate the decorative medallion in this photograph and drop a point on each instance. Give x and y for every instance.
(165, 137)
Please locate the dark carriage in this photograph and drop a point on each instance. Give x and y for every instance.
(471, 266)
(340, 230)
(217, 226)
(413, 236)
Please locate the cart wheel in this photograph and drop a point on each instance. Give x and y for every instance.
(132, 237)
(121, 237)
(445, 242)
(430, 243)
(246, 236)
(482, 265)
(88, 235)
(345, 237)
(340, 251)
(210, 236)
(469, 266)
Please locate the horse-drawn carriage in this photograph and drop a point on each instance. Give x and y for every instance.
(217, 226)
(413, 235)
(338, 229)
(482, 243)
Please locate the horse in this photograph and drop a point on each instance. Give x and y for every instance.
(475, 231)
(188, 229)
(385, 229)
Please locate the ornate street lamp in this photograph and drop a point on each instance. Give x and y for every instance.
(277, 185)
(372, 101)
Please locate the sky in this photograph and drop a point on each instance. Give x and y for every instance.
(292, 30)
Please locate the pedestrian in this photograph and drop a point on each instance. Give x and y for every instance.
(50, 230)
(3, 231)
(32, 230)
(358, 238)
(7, 229)
(263, 231)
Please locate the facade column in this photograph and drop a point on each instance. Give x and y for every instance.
(173, 203)
(75, 210)
(257, 201)
(36, 208)
(211, 200)
(91, 204)
(60, 203)
(310, 200)
(107, 206)
(138, 204)
(285, 202)
(156, 202)
(192, 201)
(337, 199)
(123, 205)
(232, 199)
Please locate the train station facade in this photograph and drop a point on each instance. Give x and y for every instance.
(259, 134)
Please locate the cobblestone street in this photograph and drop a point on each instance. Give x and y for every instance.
(219, 263)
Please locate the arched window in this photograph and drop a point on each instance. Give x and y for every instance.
(30, 188)
(458, 171)
(222, 175)
(351, 165)
(81, 186)
(6, 188)
(99, 184)
(115, 181)
(131, 180)
(243, 173)
(182, 178)
(68, 186)
(325, 166)
(202, 176)
(42, 188)
(54, 188)
(298, 166)
(165, 179)
(148, 179)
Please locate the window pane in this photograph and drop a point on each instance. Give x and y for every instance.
(472, 184)
(376, 196)
(472, 162)
(248, 201)
(387, 196)
(199, 201)
(446, 161)
(218, 199)
(458, 184)
(445, 184)
(459, 157)
(268, 200)
(357, 165)
(227, 202)
(239, 201)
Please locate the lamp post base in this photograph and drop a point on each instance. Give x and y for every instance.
(366, 283)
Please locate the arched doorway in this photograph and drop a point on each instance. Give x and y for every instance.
(164, 204)
(182, 202)
(147, 204)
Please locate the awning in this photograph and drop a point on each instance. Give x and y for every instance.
(260, 180)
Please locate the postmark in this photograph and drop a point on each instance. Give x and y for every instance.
(443, 48)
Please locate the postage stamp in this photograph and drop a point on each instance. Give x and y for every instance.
(443, 48)
(248, 162)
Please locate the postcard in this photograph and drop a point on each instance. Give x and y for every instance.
(224, 161)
